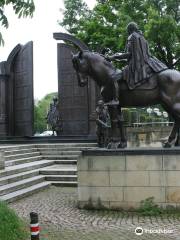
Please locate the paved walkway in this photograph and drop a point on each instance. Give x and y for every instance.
(60, 219)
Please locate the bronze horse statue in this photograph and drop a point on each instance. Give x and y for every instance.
(162, 88)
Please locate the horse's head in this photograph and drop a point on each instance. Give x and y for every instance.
(94, 65)
(81, 65)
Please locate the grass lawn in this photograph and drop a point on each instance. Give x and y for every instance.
(11, 226)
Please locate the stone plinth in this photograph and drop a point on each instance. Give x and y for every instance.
(117, 179)
(2, 162)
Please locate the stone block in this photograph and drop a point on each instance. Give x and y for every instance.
(82, 163)
(173, 194)
(137, 178)
(102, 163)
(100, 194)
(108, 163)
(173, 178)
(143, 162)
(157, 178)
(137, 194)
(129, 178)
(171, 162)
(117, 178)
(93, 178)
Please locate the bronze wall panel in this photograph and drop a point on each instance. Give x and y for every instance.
(23, 91)
(73, 99)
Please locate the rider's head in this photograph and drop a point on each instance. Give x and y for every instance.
(132, 27)
(100, 103)
(55, 99)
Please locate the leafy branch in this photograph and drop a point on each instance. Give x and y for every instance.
(22, 8)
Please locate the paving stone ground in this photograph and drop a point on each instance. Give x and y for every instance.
(60, 219)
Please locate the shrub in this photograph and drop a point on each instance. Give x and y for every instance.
(149, 208)
(11, 226)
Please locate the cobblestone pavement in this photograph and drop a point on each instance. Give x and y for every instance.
(60, 219)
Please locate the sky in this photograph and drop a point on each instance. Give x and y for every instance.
(38, 29)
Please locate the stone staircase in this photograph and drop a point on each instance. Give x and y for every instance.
(64, 170)
(33, 167)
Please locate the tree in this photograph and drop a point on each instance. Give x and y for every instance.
(22, 8)
(75, 11)
(40, 112)
(105, 25)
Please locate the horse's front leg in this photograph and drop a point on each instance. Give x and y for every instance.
(123, 142)
(117, 135)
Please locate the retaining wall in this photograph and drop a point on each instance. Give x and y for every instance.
(122, 178)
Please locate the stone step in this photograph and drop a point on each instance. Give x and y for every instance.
(21, 155)
(20, 151)
(64, 183)
(60, 157)
(16, 147)
(23, 160)
(18, 177)
(25, 167)
(44, 150)
(59, 145)
(12, 187)
(65, 178)
(24, 192)
(72, 162)
(58, 171)
(59, 152)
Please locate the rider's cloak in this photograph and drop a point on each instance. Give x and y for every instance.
(141, 65)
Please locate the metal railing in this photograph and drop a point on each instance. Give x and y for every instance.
(152, 124)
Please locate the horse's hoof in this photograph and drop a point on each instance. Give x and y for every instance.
(112, 145)
(167, 145)
(109, 146)
(122, 145)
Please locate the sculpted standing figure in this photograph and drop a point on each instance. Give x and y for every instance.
(53, 117)
(103, 123)
(141, 65)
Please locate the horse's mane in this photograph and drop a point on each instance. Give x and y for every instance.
(99, 55)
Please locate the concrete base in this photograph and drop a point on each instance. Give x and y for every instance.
(122, 179)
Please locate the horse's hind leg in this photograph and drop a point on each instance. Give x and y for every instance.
(172, 136)
(177, 143)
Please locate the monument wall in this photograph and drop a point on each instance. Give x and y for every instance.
(73, 99)
(3, 97)
(122, 179)
(23, 100)
(16, 88)
(77, 104)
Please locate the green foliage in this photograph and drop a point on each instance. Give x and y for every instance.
(134, 116)
(105, 25)
(40, 112)
(149, 208)
(22, 8)
(143, 118)
(149, 119)
(75, 11)
(11, 227)
(127, 115)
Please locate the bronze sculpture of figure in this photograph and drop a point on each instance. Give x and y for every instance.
(102, 123)
(53, 117)
(141, 65)
(162, 87)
